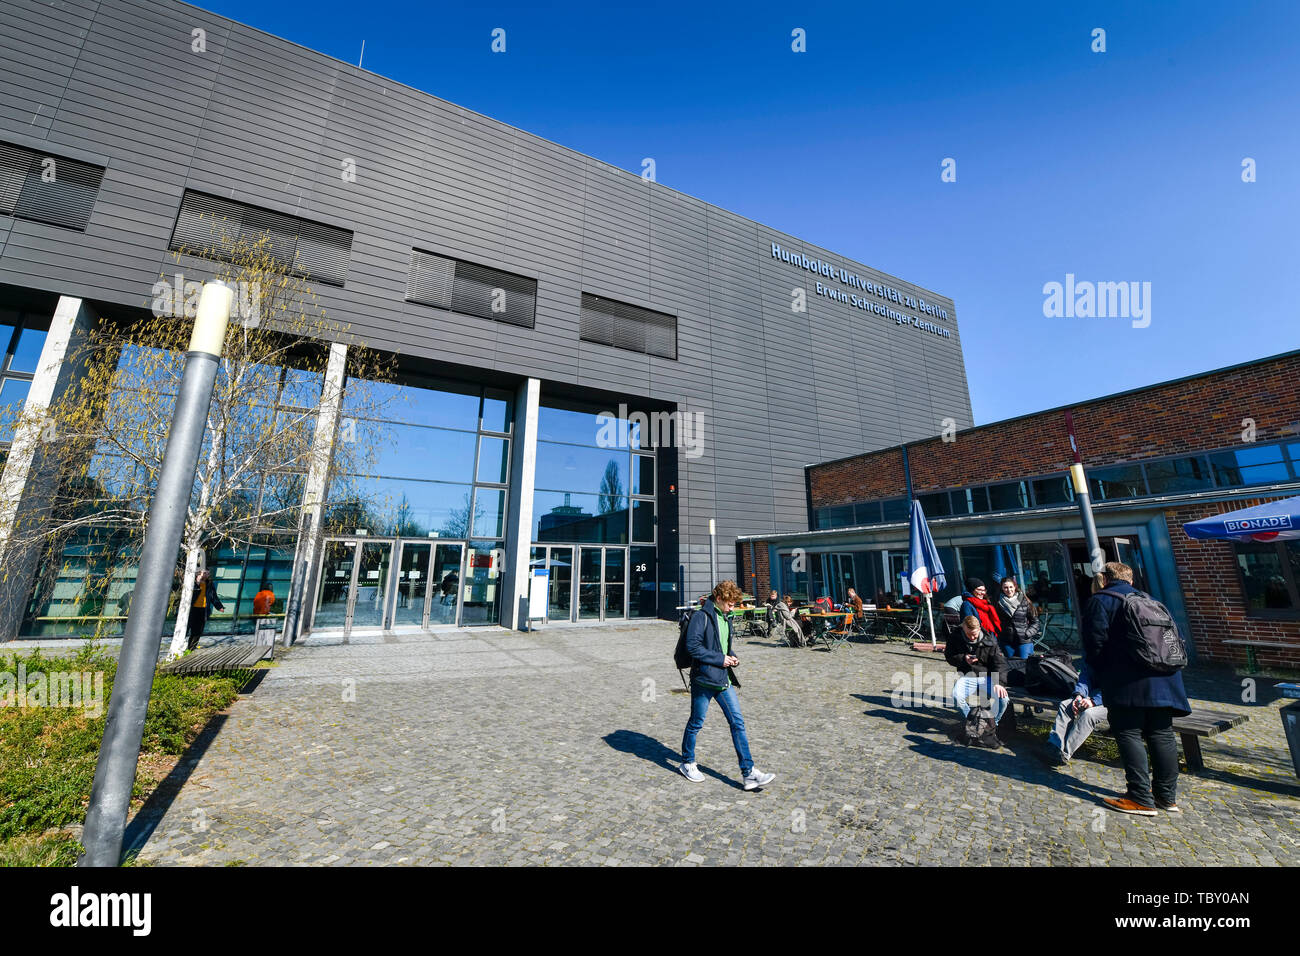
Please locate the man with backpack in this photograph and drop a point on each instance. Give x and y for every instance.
(1134, 655)
(707, 643)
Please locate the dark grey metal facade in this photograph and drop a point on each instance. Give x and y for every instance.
(263, 121)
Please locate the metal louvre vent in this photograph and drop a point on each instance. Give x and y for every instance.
(607, 322)
(472, 289)
(210, 226)
(46, 188)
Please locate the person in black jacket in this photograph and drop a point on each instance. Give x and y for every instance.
(204, 600)
(708, 640)
(1140, 705)
(1019, 620)
(979, 658)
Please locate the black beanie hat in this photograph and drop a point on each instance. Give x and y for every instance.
(973, 584)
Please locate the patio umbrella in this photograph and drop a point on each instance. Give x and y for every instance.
(925, 570)
(1004, 563)
(1273, 521)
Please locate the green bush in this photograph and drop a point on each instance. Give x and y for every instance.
(48, 754)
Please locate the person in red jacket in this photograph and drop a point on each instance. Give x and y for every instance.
(975, 603)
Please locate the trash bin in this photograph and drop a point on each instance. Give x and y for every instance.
(265, 634)
(1291, 722)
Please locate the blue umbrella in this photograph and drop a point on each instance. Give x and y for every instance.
(1004, 563)
(1274, 521)
(925, 570)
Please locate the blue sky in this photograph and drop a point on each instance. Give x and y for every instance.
(1115, 166)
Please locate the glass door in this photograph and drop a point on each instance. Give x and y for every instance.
(412, 584)
(445, 590)
(589, 584)
(370, 592)
(335, 589)
(559, 603)
(480, 593)
(615, 583)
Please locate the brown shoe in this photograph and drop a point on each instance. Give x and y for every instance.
(1125, 805)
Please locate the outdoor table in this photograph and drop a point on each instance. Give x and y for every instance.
(887, 621)
(824, 622)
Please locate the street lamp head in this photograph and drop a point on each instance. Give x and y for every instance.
(212, 317)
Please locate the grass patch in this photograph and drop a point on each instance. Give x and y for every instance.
(48, 754)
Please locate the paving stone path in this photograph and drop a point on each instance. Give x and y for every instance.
(561, 747)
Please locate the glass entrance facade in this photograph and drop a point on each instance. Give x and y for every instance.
(594, 511)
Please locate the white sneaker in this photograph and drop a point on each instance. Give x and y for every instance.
(691, 773)
(756, 778)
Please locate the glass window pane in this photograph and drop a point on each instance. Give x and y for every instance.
(1122, 481)
(643, 475)
(1053, 491)
(302, 388)
(1263, 579)
(585, 470)
(935, 505)
(493, 460)
(1177, 475)
(412, 451)
(27, 353)
(978, 498)
(595, 428)
(402, 507)
(1010, 496)
(448, 406)
(13, 393)
(1264, 474)
(896, 509)
(643, 521)
(643, 586)
(866, 512)
(565, 516)
(1258, 454)
(489, 513)
(497, 408)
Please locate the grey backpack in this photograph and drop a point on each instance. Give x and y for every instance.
(1151, 635)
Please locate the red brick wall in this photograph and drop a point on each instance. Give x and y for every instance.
(1212, 592)
(1197, 415)
(762, 582)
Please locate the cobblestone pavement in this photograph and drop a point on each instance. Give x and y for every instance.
(561, 747)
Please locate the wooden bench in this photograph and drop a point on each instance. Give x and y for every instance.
(214, 660)
(1197, 724)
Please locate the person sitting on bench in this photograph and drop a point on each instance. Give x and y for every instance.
(979, 658)
(1076, 718)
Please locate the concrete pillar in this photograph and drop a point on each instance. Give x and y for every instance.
(302, 588)
(519, 514)
(24, 490)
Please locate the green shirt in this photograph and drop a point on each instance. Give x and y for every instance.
(724, 638)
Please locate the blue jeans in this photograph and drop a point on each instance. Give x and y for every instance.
(1017, 650)
(700, 697)
(970, 684)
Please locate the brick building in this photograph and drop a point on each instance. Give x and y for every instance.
(1156, 457)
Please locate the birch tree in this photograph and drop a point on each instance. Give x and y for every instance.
(103, 439)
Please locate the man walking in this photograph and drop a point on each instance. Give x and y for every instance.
(1140, 704)
(708, 641)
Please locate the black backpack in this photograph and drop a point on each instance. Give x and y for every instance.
(977, 730)
(682, 657)
(1150, 634)
(1051, 675)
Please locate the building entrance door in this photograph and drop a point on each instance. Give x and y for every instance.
(427, 584)
(602, 584)
(355, 582)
